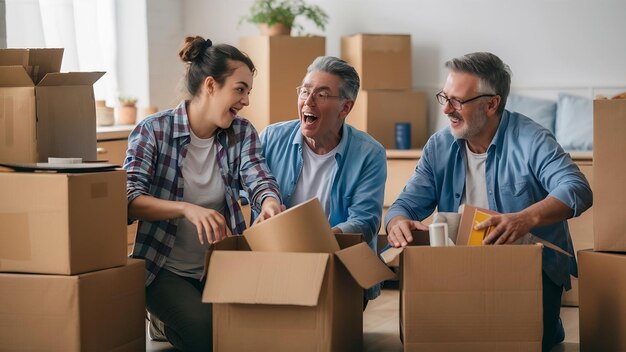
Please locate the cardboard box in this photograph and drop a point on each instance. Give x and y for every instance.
(44, 113)
(602, 294)
(98, 311)
(62, 223)
(376, 112)
(482, 298)
(609, 172)
(287, 301)
(281, 63)
(383, 61)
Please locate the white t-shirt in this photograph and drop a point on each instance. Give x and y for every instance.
(316, 178)
(475, 179)
(203, 186)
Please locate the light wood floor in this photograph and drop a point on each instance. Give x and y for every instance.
(380, 326)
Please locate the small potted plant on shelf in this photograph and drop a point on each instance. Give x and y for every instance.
(276, 17)
(126, 112)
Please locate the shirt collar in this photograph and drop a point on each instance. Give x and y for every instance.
(298, 138)
(181, 120)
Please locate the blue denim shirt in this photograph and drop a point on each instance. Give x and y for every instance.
(357, 190)
(524, 165)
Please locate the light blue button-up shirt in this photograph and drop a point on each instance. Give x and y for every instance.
(358, 186)
(525, 164)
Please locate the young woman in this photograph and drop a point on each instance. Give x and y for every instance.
(185, 168)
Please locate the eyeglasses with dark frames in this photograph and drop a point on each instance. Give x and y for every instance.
(319, 95)
(456, 103)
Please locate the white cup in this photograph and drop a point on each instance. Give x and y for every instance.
(438, 234)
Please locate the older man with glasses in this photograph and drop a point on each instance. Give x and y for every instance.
(501, 160)
(319, 155)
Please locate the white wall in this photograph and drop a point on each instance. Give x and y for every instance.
(165, 35)
(132, 51)
(549, 44)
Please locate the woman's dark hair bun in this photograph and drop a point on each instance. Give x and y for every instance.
(194, 47)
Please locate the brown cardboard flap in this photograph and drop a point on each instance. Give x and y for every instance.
(346, 240)
(13, 57)
(44, 61)
(364, 266)
(14, 76)
(265, 278)
(71, 79)
(303, 228)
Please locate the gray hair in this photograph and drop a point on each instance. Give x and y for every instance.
(350, 82)
(494, 74)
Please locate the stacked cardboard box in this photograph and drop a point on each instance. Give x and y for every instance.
(65, 282)
(602, 272)
(45, 113)
(281, 63)
(386, 97)
(291, 285)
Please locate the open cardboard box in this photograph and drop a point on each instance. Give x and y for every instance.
(283, 295)
(470, 298)
(46, 113)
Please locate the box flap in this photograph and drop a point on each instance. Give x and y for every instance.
(14, 76)
(44, 61)
(364, 266)
(265, 278)
(13, 57)
(70, 79)
(303, 228)
(346, 240)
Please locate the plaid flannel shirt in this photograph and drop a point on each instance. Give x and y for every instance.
(156, 151)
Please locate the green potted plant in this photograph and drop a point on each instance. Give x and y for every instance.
(276, 17)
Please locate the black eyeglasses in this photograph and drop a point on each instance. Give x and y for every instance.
(319, 95)
(456, 103)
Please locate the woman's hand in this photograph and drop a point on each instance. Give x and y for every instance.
(270, 207)
(210, 223)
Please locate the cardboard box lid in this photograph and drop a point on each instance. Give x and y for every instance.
(70, 79)
(14, 76)
(38, 62)
(12, 57)
(265, 278)
(364, 266)
(303, 228)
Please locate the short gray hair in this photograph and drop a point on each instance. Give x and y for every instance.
(493, 73)
(350, 81)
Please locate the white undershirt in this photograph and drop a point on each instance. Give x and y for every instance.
(475, 180)
(203, 186)
(316, 178)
